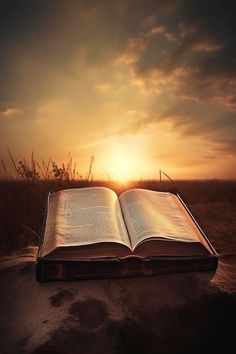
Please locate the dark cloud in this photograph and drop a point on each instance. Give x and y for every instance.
(202, 55)
(190, 52)
(226, 146)
(192, 120)
(40, 39)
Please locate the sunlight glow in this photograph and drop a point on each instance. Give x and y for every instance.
(122, 162)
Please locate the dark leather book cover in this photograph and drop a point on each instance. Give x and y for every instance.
(49, 270)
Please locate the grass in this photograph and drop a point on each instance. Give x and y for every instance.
(33, 170)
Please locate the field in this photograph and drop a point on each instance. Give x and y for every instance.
(22, 204)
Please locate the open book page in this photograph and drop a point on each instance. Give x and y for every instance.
(156, 214)
(89, 215)
(50, 241)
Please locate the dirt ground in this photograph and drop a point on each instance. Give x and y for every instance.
(175, 313)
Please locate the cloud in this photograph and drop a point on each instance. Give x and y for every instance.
(187, 122)
(81, 71)
(200, 58)
(157, 41)
(206, 47)
(10, 112)
(103, 87)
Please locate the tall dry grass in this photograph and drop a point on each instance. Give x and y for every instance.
(34, 170)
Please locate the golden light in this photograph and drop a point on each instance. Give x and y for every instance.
(122, 162)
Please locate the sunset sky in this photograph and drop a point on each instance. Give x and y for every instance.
(141, 85)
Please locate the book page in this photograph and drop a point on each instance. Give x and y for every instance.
(90, 215)
(156, 214)
(49, 242)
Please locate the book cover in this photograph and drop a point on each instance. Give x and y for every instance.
(68, 266)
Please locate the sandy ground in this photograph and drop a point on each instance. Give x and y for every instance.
(187, 313)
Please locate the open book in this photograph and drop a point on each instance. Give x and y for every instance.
(94, 224)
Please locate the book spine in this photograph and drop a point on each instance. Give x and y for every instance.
(165, 266)
(71, 270)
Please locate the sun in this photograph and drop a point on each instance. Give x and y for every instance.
(121, 168)
(121, 163)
